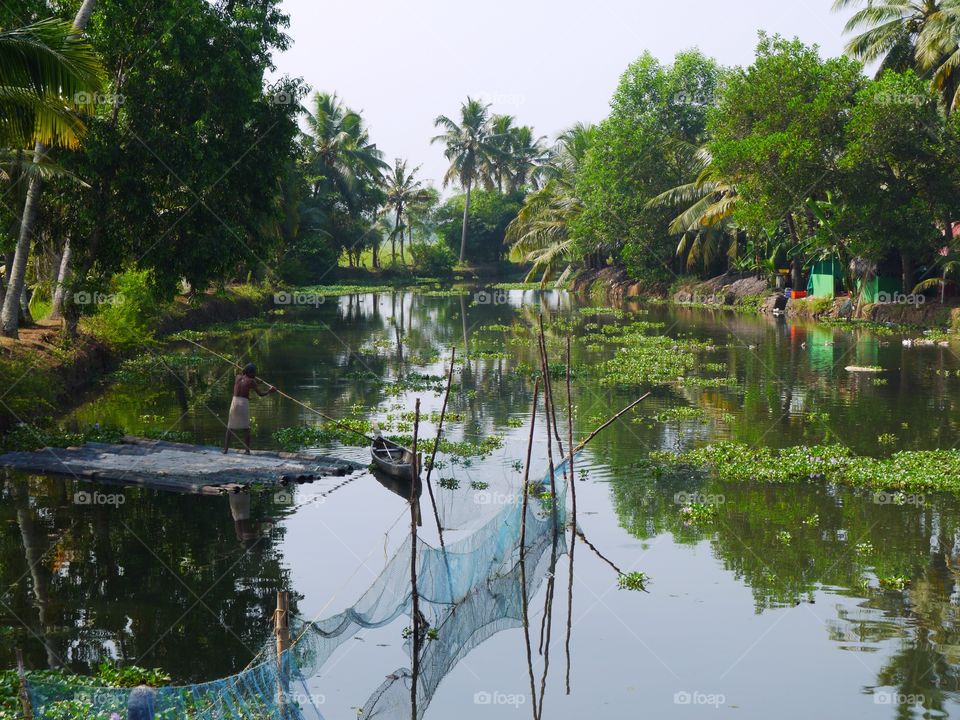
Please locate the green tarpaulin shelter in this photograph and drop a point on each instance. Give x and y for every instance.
(882, 284)
(824, 276)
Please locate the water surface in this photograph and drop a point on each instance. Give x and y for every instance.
(739, 619)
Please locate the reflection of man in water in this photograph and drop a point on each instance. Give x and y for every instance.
(240, 406)
(142, 703)
(240, 512)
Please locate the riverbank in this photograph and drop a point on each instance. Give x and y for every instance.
(743, 292)
(44, 370)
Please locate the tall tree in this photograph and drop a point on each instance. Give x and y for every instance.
(540, 234)
(630, 163)
(495, 166)
(887, 30)
(402, 191)
(528, 157)
(923, 35)
(707, 204)
(340, 154)
(467, 148)
(938, 51)
(777, 133)
(48, 71)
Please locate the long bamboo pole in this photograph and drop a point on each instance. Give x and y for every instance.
(414, 594)
(523, 551)
(573, 518)
(336, 422)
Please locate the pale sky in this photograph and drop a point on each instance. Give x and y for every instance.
(549, 63)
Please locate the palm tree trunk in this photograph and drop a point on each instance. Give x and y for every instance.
(466, 216)
(59, 294)
(393, 237)
(9, 316)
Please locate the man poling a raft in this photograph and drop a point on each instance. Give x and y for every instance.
(239, 420)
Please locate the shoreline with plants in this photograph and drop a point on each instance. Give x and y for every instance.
(46, 370)
(743, 292)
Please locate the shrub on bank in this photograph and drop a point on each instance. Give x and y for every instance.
(125, 316)
(434, 259)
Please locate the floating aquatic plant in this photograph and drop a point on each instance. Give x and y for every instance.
(636, 581)
(909, 471)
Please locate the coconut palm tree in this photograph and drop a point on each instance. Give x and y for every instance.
(47, 73)
(902, 34)
(496, 165)
(403, 190)
(704, 226)
(467, 149)
(528, 157)
(938, 51)
(339, 153)
(540, 232)
(888, 30)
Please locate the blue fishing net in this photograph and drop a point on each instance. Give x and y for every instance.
(467, 591)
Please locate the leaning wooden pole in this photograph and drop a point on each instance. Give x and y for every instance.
(583, 443)
(523, 551)
(548, 380)
(282, 394)
(414, 595)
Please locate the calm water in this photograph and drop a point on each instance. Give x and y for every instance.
(736, 622)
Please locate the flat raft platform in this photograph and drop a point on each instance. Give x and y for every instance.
(179, 467)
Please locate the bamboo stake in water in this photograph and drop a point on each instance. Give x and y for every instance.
(548, 381)
(546, 626)
(523, 551)
(436, 444)
(573, 518)
(415, 598)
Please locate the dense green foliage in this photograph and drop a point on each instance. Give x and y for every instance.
(490, 214)
(634, 158)
(791, 160)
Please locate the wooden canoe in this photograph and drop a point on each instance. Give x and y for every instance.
(392, 459)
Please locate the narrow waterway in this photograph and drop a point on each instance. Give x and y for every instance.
(772, 610)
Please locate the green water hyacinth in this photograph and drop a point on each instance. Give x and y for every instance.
(909, 471)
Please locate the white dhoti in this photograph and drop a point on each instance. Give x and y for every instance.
(239, 414)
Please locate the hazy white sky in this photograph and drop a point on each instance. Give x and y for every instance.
(548, 63)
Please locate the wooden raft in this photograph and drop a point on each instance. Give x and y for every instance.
(177, 466)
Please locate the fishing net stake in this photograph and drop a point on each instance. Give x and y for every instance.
(414, 595)
(573, 517)
(24, 694)
(436, 445)
(523, 554)
(281, 629)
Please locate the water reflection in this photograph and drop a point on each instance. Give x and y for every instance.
(786, 544)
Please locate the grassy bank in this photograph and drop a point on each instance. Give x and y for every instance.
(745, 294)
(44, 368)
